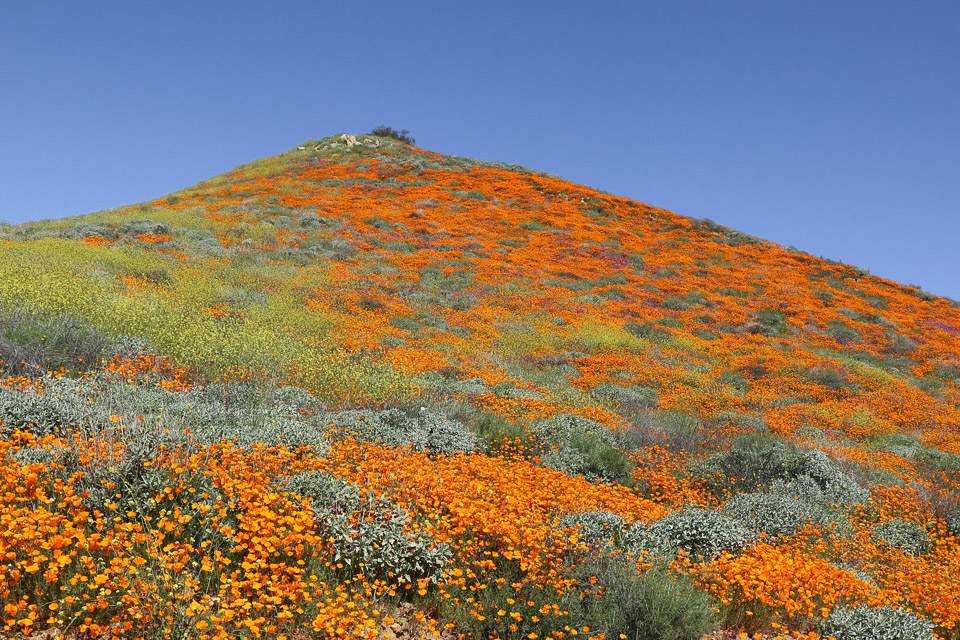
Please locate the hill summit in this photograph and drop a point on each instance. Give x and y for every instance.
(360, 389)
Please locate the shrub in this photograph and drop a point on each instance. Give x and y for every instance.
(756, 461)
(905, 535)
(136, 488)
(656, 605)
(369, 535)
(831, 379)
(672, 429)
(648, 331)
(389, 132)
(595, 526)
(583, 447)
(699, 532)
(32, 345)
(422, 429)
(767, 322)
(782, 510)
(886, 623)
(744, 423)
(635, 396)
(497, 432)
(217, 412)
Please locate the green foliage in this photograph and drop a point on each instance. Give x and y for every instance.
(756, 461)
(744, 423)
(389, 132)
(135, 488)
(580, 446)
(768, 322)
(497, 432)
(831, 379)
(842, 333)
(648, 331)
(595, 526)
(655, 605)
(670, 429)
(886, 623)
(369, 535)
(32, 345)
(905, 535)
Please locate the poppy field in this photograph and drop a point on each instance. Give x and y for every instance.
(364, 390)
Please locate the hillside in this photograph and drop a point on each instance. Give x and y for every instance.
(361, 389)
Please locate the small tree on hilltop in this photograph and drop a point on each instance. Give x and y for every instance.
(390, 132)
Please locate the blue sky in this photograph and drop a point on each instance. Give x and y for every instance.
(830, 126)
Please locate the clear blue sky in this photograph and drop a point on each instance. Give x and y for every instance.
(830, 126)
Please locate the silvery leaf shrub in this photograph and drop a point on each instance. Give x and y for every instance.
(632, 396)
(580, 446)
(699, 532)
(370, 535)
(423, 429)
(886, 623)
(153, 416)
(783, 509)
(756, 461)
(595, 526)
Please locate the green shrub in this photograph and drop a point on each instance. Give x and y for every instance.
(905, 535)
(648, 331)
(145, 226)
(831, 379)
(756, 461)
(137, 489)
(406, 324)
(672, 429)
(886, 623)
(655, 605)
(32, 345)
(579, 446)
(496, 431)
(842, 333)
(744, 423)
(389, 132)
(768, 322)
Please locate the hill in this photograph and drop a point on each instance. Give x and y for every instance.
(362, 389)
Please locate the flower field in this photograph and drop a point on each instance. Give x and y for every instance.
(363, 390)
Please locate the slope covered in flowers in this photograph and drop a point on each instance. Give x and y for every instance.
(528, 384)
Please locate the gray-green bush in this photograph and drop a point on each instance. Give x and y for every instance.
(756, 461)
(595, 526)
(784, 508)
(699, 532)
(369, 535)
(580, 446)
(885, 623)
(905, 535)
(422, 429)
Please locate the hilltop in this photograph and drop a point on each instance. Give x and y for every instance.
(363, 388)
